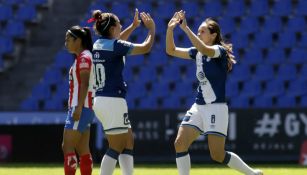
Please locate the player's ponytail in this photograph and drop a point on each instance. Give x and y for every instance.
(214, 27)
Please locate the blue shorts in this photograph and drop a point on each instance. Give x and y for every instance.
(83, 124)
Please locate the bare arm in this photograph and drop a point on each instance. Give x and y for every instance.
(200, 45)
(171, 48)
(84, 76)
(124, 35)
(145, 47)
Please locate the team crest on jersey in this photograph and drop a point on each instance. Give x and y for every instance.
(200, 76)
(96, 55)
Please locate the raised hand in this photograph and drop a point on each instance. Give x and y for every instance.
(148, 21)
(183, 21)
(136, 22)
(174, 21)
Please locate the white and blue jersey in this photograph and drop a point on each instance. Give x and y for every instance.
(109, 61)
(211, 74)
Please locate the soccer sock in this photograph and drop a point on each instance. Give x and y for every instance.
(126, 162)
(183, 163)
(108, 162)
(235, 162)
(70, 163)
(86, 164)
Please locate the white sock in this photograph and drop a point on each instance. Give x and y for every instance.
(235, 162)
(108, 162)
(183, 162)
(126, 164)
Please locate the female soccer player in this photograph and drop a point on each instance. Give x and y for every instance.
(76, 135)
(110, 106)
(209, 114)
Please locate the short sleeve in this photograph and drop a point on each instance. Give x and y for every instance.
(85, 63)
(123, 47)
(219, 51)
(192, 52)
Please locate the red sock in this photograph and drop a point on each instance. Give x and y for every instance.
(70, 163)
(86, 164)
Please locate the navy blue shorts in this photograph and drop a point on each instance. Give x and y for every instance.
(83, 124)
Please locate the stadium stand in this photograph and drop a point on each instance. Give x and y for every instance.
(269, 37)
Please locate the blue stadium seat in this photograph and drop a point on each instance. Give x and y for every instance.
(227, 25)
(301, 8)
(303, 102)
(128, 74)
(239, 102)
(191, 8)
(272, 24)
(297, 88)
(282, 8)
(240, 72)
(171, 73)
(15, 2)
(6, 45)
(251, 89)
(286, 101)
(286, 40)
(240, 40)
(158, 59)
(263, 40)
(249, 25)
(147, 74)
(144, 7)
(253, 56)
(171, 102)
(41, 91)
(26, 13)
(184, 89)
(303, 40)
(235, 8)
(6, 12)
(136, 90)
(287, 72)
(29, 104)
(274, 88)
(232, 89)
(136, 60)
(275, 56)
(53, 76)
(263, 102)
(37, 2)
(213, 8)
(259, 8)
(63, 59)
(15, 29)
(298, 56)
(160, 89)
(148, 103)
(122, 10)
(303, 72)
(166, 9)
(296, 24)
(264, 73)
(53, 104)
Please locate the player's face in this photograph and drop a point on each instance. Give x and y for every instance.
(205, 35)
(117, 28)
(70, 43)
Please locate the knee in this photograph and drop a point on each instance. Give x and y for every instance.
(217, 155)
(180, 145)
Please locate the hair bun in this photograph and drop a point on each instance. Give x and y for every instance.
(97, 15)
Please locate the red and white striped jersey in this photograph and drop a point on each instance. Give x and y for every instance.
(82, 62)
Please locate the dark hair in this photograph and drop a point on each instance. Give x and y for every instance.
(214, 27)
(84, 34)
(103, 22)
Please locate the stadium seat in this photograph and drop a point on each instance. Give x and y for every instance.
(286, 101)
(53, 76)
(263, 102)
(275, 56)
(301, 8)
(239, 102)
(235, 8)
(63, 59)
(232, 89)
(227, 25)
(6, 45)
(6, 12)
(160, 89)
(303, 102)
(296, 24)
(251, 89)
(240, 40)
(213, 9)
(249, 25)
(26, 13)
(171, 73)
(282, 8)
(166, 9)
(29, 104)
(286, 40)
(147, 74)
(15, 2)
(15, 29)
(150, 102)
(303, 40)
(41, 91)
(287, 72)
(240, 72)
(253, 56)
(171, 102)
(272, 24)
(264, 72)
(259, 8)
(137, 90)
(274, 88)
(122, 10)
(192, 8)
(303, 72)
(298, 56)
(297, 88)
(37, 2)
(263, 40)
(53, 104)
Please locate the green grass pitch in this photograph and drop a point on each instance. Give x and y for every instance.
(168, 169)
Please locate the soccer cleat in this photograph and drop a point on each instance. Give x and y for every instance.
(258, 172)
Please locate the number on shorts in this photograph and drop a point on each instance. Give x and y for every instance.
(126, 119)
(212, 118)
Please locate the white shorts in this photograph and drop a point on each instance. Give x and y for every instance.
(208, 119)
(112, 112)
